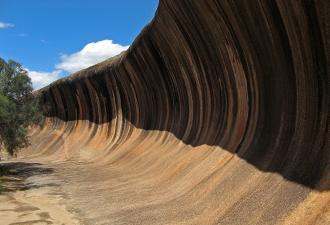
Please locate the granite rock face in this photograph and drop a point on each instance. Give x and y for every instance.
(222, 105)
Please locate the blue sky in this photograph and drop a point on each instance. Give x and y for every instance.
(52, 39)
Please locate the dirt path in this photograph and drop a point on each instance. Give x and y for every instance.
(32, 194)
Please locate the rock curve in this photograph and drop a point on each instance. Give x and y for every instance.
(215, 85)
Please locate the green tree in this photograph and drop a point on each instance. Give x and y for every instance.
(19, 109)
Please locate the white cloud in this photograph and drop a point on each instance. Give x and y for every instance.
(41, 79)
(89, 55)
(5, 25)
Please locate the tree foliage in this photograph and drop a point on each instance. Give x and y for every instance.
(18, 107)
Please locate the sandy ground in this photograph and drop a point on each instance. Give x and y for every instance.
(78, 192)
(32, 195)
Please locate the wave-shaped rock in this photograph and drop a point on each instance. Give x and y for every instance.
(219, 108)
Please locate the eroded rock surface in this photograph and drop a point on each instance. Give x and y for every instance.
(217, 114)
